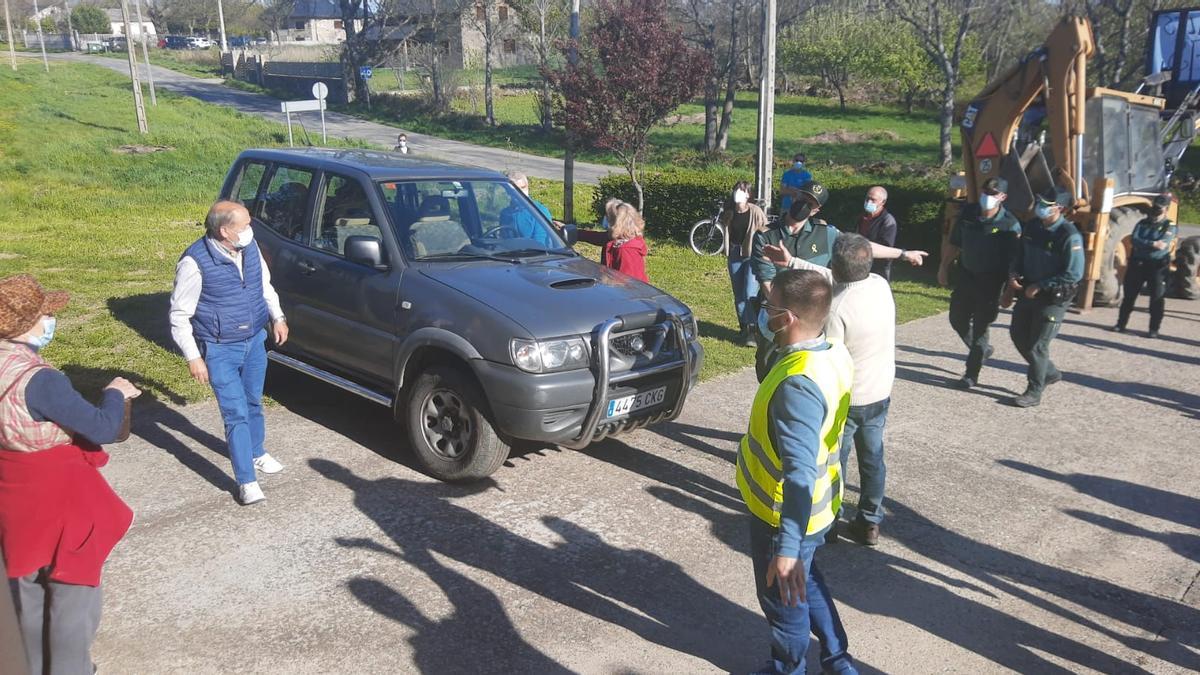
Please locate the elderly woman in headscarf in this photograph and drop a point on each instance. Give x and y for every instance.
(59, 519)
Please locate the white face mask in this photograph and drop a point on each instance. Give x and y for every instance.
(870, 207)
(244, 238)
(1043, 211)
(988, 202)
(740, 197)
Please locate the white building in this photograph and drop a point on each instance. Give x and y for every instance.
(315, 22)
(136, 30)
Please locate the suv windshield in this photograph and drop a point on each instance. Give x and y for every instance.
(449, 219)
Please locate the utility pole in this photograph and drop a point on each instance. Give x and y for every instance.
(70, 28)
(138, 105)
(766, 109)
(41, 38)
(569, 155)
(12, 49)
(221, 18)
(145, 53)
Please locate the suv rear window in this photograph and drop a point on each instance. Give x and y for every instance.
(441, 219)
(285, 201)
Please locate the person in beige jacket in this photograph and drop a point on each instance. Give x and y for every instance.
(740, 221)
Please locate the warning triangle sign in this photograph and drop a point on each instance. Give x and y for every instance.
(987, 147)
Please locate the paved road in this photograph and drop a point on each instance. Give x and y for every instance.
(1060, 539)
(345, 126)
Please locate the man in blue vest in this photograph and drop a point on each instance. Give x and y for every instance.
(789, 473)
(221, 306)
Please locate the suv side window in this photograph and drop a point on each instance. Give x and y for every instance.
(345, 211)
(285, 200)
(246, 192)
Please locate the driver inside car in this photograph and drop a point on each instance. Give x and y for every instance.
(518, 221)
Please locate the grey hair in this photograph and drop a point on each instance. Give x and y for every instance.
(881, 189)
(852, 258)
(220, 215)
(516, 177)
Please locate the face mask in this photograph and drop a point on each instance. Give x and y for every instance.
(801, 212)
(48, 325)
(799, 165)
(604, 222)
(1042, 211)
(764, 324)
(988, 202)
(870, 207)
(740, 197)
(244, 238)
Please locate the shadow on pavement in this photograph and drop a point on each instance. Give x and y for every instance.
(1098, 343)
(1185, 545)
(635, 589)
(896, 589)
(1148, 501)
(690, 435)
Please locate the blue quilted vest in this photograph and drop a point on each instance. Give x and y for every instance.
(231, 307)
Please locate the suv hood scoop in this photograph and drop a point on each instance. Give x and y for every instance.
(578, 282)
(531, 293)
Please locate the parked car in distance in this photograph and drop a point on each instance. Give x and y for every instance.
(238, 41)
(199, 42)
(115, 43)
(440, 292)
(176, 42)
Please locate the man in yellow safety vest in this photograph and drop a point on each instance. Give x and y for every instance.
(789, 473)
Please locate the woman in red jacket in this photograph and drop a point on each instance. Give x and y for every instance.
(624, 243)
(59, 519)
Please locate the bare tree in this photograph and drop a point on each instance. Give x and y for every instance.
(941, 28)
(546, 21)
(491, 19)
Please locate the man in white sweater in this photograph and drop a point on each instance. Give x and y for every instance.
(863, 317)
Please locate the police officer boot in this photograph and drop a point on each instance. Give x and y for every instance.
(1029, 399)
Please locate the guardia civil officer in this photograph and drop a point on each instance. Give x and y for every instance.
(1148, 264)
(984, 240)
(1044, 277)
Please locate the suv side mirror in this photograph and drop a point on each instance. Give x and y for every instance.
(365, 251)
(569, 233)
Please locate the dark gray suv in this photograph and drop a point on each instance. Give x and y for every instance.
(441, 292)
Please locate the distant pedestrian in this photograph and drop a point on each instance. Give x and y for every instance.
(878, 225)
(985, 239)
(221, 305)
(789, 476)
(1149, 262)
(59, 518)
(1044, 278)
(401, 144)
(793, 181)
(742, 219)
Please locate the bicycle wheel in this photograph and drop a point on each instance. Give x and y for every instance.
(707, 237)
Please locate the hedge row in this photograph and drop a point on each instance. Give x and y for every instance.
(677, 198)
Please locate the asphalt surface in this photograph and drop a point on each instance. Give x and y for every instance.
(1064, 538)
(345, 126)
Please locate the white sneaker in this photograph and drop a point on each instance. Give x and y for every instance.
(267, 464)
(250, 493)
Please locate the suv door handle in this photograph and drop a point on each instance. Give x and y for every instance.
(307, 268)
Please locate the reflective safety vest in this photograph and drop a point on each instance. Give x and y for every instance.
(759, 469)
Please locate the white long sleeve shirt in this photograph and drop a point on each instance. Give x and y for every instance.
(186, 295)
(863, 317)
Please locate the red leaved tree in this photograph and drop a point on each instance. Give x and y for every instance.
(632, 70)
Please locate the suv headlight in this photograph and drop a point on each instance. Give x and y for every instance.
(690, 330)
(548, 356)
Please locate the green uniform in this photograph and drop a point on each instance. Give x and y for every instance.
(988, 247)
(1148, 266)
(1051, 258)
(813, 242)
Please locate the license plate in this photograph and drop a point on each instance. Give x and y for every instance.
(631, 404)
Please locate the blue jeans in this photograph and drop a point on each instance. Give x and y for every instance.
(790, 626)
(236, 371)
(864, 428)
(745, 287)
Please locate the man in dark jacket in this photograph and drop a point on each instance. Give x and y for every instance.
(878, 225)
(1149, 262)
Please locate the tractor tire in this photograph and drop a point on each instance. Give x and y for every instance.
(1184, 282)
(1114, 255)
(448, 426)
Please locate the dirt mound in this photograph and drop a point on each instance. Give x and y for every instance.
(845, 136)
(141, 149)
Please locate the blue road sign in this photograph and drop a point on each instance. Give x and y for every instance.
(365, 72)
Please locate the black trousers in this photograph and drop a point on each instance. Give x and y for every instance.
(1034, 325)
(1140, 273)
(974, 305)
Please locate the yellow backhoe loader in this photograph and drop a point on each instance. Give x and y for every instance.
(1039, 124)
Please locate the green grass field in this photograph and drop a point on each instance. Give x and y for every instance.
(84, 215)
(197, 63)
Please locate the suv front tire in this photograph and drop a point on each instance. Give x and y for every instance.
(448, 428)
